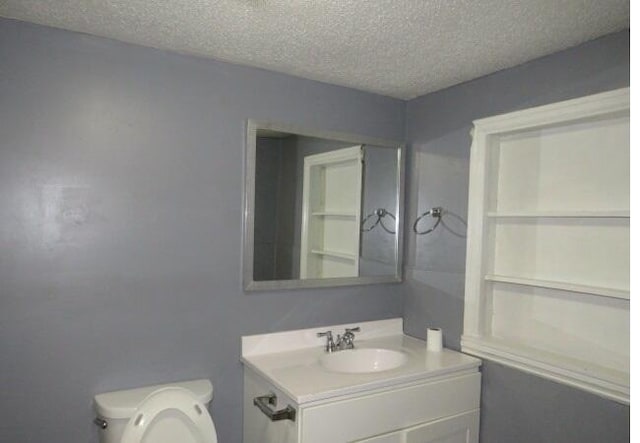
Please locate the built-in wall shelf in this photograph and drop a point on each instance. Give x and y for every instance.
(335, 254)
(561, 214)
(331, 208)
(605, 381)
(548, 245)
(563, 286)
(342, 214)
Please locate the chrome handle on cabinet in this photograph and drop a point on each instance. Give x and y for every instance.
(264, 403)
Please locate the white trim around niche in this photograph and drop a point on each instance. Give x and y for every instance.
(484, 219)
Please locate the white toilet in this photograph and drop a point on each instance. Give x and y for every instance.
(175, 412)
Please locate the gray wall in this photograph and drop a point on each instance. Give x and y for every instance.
(516, 407)
(287, 251)
(121, 220)
(275, 209)
(380, 182)
(268, 155)
(120, 226)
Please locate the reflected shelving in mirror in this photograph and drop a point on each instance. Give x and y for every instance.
(308, 194)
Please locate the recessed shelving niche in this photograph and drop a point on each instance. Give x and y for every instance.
(547, 285)
(331, 203)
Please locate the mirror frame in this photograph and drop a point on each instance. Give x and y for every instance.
(252, 126)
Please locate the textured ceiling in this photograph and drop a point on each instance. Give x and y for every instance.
(399, 48)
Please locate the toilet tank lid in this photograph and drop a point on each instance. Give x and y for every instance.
(122, 404)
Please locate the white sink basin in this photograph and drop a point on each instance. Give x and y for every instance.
(364, 360)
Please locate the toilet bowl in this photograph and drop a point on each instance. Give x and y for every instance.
(169, 413)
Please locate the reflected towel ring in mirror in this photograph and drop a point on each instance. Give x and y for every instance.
(380, 213)
(433, 212)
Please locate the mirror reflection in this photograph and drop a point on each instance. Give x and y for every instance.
(324, 209)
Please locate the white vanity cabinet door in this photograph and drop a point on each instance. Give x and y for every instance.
(363, 416)
(459, 429)
(393, 437)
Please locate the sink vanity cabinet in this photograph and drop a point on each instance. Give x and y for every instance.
(445, 410)
(431, 397)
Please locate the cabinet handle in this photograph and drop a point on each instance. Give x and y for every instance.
(263, 402)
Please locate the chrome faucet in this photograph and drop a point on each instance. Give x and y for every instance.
(330, 346)
(342, 342)
(346, 341)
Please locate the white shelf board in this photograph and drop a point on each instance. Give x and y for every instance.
(345, 214)
(561, 214)
(564, 286)
(581, 374)
(336, 254)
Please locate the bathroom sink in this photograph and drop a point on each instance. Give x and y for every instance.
(364, 360)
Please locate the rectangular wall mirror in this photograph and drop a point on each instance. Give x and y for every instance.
(322, 209)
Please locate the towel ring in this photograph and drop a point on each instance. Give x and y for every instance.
(433, 212)
(380, 213)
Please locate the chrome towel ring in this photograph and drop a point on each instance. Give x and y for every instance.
(433, 212)
(380, 213)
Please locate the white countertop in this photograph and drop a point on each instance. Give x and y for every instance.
(291, 361)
